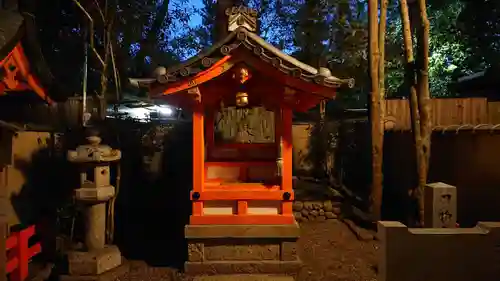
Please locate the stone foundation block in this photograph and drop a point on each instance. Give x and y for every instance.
(437, 254)
(243, 277)
(114, 274)
(237, 249)
(243, 267)
(94, 262)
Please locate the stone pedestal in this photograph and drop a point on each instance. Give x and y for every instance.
(440, 201)
(101, 264)
(99, 261)
(242, 249)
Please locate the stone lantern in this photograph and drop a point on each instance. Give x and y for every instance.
(97, 259)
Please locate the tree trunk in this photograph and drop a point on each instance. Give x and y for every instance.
(375, 118)
(423, 102)
(411, 83)
(148, 45)
(381, 66)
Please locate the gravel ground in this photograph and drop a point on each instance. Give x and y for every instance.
(329, 250)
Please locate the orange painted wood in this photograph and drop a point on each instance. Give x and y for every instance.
(307, 102)
(198, 150)
(243, 175)
(286, 208)
(277, 127)
(244, 145)
(17, 265)
(197, 208)
(238, 192)
(19, 77)
(243, 219)
(209, 129)
(11, 242)
(240, 164)
(242, 207)
(267, 69)
(220, 185)
(215, 70)
(287, 152)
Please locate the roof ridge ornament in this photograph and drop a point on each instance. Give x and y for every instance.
(241, 17)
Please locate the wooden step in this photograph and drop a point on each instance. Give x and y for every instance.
(244, 277)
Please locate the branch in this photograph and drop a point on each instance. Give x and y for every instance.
(91, 31)
(100, 11)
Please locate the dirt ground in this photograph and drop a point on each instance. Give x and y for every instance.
(329, 251)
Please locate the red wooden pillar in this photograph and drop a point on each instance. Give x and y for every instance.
(198, 157)
(286, 154)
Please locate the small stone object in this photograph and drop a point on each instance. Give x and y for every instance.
(320, 218)
(308, 206)
(305, 212)
(328, 206)
(330, 215)
(297, 215)
(310, 210)
(298, 206)
(317, 205)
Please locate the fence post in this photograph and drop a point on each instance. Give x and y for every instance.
(21, 252)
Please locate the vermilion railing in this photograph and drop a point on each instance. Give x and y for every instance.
(19, 253)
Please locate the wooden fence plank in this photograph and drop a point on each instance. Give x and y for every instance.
(447, 112)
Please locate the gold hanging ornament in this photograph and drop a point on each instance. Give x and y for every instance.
(241, 99)
(241, 74)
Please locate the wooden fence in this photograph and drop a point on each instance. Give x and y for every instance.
(18, 254)
(446, 112)
(58, 115)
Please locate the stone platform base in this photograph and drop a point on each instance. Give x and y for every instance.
(243, 277)
(242, 249)
(94, 262)
(104, 264)
(110, 275)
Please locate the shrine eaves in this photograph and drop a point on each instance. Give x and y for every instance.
(269, 71)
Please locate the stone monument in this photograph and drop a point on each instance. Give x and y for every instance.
(97, 261)
(440, 201)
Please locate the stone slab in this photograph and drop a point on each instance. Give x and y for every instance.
(94, 262)
(440, 201)
(242, 231)
(437, 254)
(242, 249)
(244, 277)
(257, 252)
(243, 267)
(116, 273)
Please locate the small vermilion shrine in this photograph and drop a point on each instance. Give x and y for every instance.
(242, 220)
(15, 71)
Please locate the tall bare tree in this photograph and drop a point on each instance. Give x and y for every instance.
(423, 102)
(375, 111)
(378, 127)
(416, 76)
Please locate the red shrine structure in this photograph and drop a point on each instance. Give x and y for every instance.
(242, 195)
(15, 71)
